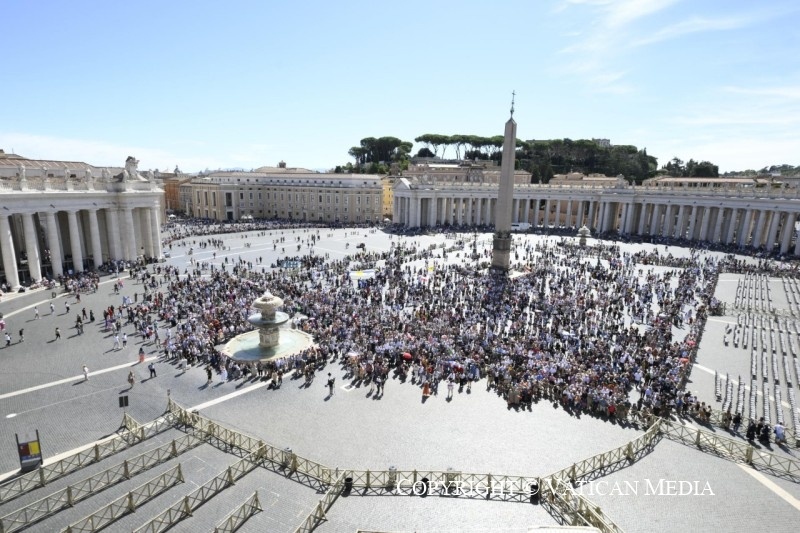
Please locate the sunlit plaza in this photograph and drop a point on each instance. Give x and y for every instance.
(296, 446)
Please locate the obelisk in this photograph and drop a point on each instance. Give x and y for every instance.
(501, 246)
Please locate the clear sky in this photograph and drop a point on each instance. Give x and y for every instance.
(211, 84)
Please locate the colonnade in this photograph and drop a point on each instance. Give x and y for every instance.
(54, 240)
(760, 223)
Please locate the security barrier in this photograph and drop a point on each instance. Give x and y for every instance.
(734, 450)
(85, 488)
(188, 504)
(234, 521)
(127, 503)
(45, 474)
(323, 506)
(599, 464)
(279, 459)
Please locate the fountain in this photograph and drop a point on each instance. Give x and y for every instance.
(583, 234)
(269, 320)
(270, 339)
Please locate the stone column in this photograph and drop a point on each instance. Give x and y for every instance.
(630, 208)
(692, 223)
(155, 229)
(145, 231)
(114, 240)
(32, 247)
(758, 238)
(54, 244)
(514, 211)
(526, 208)
(745, 236)
(546, 222)
(568, 216)
(590, 215)
(9, 256)
(787, 232)
(655, 221)
(667, 228)
(732, 223)
(557, 223)
(94, 233)
(678, 232)
(772, 233)
(129, 232)
(642, 219)
(579, 216)
(718, 225)
(705, 222)
(796, 244)
(75, 241)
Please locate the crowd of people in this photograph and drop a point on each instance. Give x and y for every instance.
(589, 328)
(596, 330)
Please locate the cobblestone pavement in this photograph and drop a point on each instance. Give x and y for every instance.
(474, 432)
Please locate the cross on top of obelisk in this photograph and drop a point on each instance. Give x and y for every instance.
(512, 103)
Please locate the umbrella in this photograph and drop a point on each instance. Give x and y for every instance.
(407, 356)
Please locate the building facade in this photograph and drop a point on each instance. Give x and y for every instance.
(763, 218)
(289, 194)
(59, 217)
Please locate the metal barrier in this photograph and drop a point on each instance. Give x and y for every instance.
(127, 503)
(233, 521)
(197, 498)
(625, 454)
(280, 458)
(731, 449)
(45, 474)
(567, 506)
(69, 496)
(323, 506)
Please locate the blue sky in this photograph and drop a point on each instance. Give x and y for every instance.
(245, 84)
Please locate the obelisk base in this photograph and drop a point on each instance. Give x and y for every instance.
(501, 251)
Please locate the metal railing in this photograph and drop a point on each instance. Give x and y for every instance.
(234, 521)
(72, 494)
(47, 473)
(280, 459)
(192, 501)
(734, 450)
(323, 506)
(569, 507)
(127, 503)
(599, 464)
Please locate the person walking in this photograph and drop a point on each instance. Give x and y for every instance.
(124, 340)
(131, 379)
(116, 342)
(152, 368)
(331, 381)
(22, 335)
(66, 305)
(58, 333)
(208, 375)
(85, 373)
(36, 313)
(8, 340)
(52, 308)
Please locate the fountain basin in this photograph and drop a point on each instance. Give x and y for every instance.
(246, 347)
